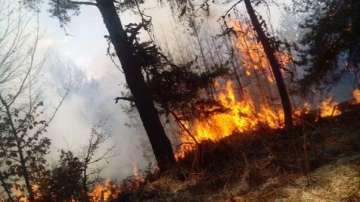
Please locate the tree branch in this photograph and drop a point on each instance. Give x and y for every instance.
(232, 7)
(83, 3)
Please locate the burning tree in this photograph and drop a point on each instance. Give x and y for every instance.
(240, 108)
(270, 51)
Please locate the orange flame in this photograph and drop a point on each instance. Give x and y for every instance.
(241, 116)
(356, 95)
(251, 51)
(19, 194)
(244, 114)
(328, 108)
(106, 191)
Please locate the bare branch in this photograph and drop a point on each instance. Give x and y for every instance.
(83, 3)
(232, 7)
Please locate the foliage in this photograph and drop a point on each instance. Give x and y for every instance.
(173, 86)
(64, 182)
(331, 41)
(23, 146)
(72, 178)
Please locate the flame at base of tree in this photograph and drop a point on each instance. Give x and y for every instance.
(105, 191)
(255, 108)
(244, 115)
(328, 108)
(241, 115)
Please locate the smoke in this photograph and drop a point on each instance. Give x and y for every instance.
(89, 103)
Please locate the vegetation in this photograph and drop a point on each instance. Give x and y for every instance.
(224, 111)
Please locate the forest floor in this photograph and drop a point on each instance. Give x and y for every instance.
(318, 161)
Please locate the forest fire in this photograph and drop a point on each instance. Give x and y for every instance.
(102, 191)
(106, 191)
(242, 115)
(250, 111)
(328, 108)
(251, 52)
(356, 95)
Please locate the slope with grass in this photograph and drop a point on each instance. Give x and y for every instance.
(317, 161)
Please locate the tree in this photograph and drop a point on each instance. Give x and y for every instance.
(270, 50)
(23, 146)
(91, 156)
(73, 177)
(64, 182)
(178, 89)
(330, 45)
(126, 53)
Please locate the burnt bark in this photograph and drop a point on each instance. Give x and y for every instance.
(274, 63)
(142, 96)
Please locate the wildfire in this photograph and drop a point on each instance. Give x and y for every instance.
(251, 51)
(106, 191)
(245, 113)
(19, 194)
(242, 115)
(252, 110)
(138, 178)
(328, 108)
(356, 95)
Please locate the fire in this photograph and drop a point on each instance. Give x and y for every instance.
(251, 51)
(328, 108)
(252, 110)
(138, 178)
(356, 95)
(106, 191)
(242, 115)
(245, 113)
(19, 194)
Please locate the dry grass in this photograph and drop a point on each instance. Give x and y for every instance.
(265, 165)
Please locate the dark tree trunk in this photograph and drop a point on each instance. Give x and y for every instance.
(274, 63)
(142, 96)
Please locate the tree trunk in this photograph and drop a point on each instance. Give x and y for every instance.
(274, 63)
(142, 96)
(22, 161)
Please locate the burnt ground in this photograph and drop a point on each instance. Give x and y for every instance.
(316, 161)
